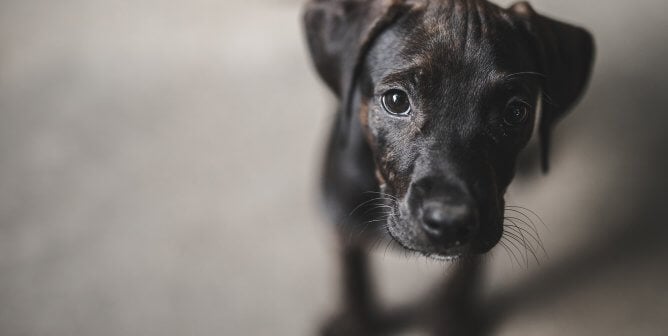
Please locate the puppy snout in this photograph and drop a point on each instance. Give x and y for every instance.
(449, 223)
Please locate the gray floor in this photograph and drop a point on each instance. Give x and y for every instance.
(158, 164)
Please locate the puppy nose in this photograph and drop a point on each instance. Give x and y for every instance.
(448, 224)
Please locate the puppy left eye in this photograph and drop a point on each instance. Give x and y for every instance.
(516, 113)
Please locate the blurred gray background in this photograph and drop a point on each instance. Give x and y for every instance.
(159, 166)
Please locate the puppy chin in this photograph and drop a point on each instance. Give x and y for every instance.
(450, 254)
(405, 234)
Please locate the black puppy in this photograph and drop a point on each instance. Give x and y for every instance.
(436, 100)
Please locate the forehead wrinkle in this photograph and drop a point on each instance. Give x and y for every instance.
(405, 76)
(455, 34)
(461, 24)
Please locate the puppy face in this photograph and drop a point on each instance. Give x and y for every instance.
(446, 93)
(446, 111)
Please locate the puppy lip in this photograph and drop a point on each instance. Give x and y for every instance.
(447, 254)
(455, 252)
(448, 258)
(458, 250)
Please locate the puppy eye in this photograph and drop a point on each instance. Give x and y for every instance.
(396, 102)
(516, 113)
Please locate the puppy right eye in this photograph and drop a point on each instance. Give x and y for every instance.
(396, 102)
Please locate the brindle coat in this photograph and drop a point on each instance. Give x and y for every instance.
(461, 63)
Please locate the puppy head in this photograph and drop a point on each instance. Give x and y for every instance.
(447, 93)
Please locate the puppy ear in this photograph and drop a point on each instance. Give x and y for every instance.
(565, 55)
(340, 32)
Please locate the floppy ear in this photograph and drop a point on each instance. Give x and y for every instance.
(565, 55)
(339, 33)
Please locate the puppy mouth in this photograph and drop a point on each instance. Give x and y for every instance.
(406, 234)
(446, 258)
(435, 252)
(448, 255)
(405, 228)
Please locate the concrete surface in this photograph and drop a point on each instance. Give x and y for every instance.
(158, 171)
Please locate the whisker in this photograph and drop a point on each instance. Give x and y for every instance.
(528, 245)
(533, 233)
(364, 203)
(537, 242)
(532, 212)
(508, 253)
(381, 194)
(522, 242)
(530, 230)
(525, 216)
(530, 223)
(516, 248)
(517, 242)
(389, 242)
(384, 217)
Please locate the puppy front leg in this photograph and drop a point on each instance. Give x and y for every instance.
(456, 309)
(359, 314)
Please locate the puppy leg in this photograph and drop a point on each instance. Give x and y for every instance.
(457, 307)
(359, 315)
